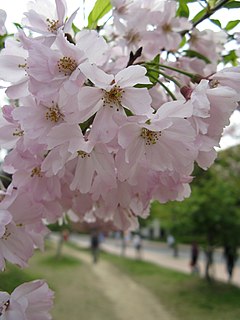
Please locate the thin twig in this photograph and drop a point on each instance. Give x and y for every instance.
(210, 12)
(165, 87)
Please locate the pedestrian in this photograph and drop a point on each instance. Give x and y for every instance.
(64, 235)
(194, 258)
(137, 242)
(170, 240)
(95, 246)
(230, 253)
(124, 242)
(172, 244)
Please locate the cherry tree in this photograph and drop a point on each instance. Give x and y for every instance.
(104, 119)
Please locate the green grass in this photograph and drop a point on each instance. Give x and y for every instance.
(187, 297)
(79, 296)
(77, 293)
(13, 277)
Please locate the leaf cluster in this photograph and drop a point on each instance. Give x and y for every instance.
(212, 214)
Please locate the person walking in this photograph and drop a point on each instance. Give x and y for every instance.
(230, 253)
(194, 258)
(137, 242)
(95, 246)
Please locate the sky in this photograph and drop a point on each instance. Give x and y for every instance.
(20, 6)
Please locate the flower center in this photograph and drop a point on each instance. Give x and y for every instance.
(4, 307)
(53, 25)
(167, 28)
(213, 83)
(132, 37)
(113, 97)
(23, 66)
(54, 114)
(7, 234)
(18, 132)
(66, 65)
(151, 137)
(83, 154)
(36, 171)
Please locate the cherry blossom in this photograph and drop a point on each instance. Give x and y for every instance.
(47, 18)
(3, 17)
(29, 301)
(114, 92)
(100, 123)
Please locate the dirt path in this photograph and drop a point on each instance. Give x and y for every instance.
(130, 300)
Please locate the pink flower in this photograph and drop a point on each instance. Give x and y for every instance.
(229, 77)
(3, 17)
(165, 142)
(53, 67)
(10, 129)
(169, 186)
(208, 43)
(38, 119)
(46, 18)
(29, 301)
(15, 245)
(5, 219)
(13, 68)
(114, 92)
(167, 27)
(94, 46)
(87, 163)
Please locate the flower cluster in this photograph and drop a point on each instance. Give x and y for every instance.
(29, 301)
(95, 131)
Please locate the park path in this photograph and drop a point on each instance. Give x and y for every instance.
(129, 299)
(180, 263)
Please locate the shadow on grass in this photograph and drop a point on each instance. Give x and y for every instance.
(188, 297)
(62, 261)
(13, 277)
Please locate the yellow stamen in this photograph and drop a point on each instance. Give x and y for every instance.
(151, 137)
(83, 154)
(53, 25)
(54, 114)
(113, 97)
(36, 172)
(66, 65)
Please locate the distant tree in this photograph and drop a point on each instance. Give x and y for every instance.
(211, 215)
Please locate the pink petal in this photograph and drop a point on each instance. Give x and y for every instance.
(137, 100)
(96, 75)
(131, 76)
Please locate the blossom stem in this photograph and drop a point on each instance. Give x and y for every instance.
(210, 11)
(5, 178)
(165, 88)
(188, 74)
(166, 76)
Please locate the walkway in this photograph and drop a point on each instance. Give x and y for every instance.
(161, 255)
(129, 299)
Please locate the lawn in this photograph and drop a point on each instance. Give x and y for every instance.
(187, 297)
(79, 295)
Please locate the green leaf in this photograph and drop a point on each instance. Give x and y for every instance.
(231, 57)
(17, 25)
(99, 10)
(153, 75)
(231, 24)
(212, 3)
(232, 5)
(183, 10)
(75, 28)
(217, 22)
(195, 54)
(199, 15)
(183, 42)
